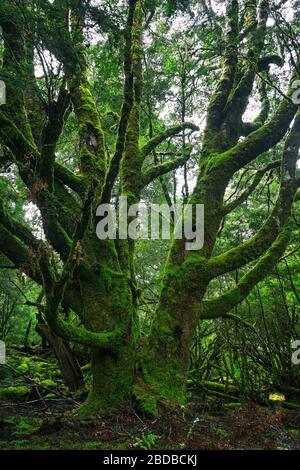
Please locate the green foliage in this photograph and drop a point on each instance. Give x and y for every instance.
(147, 442)
(17, 393)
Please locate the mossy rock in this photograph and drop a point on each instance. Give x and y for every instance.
(14, 393)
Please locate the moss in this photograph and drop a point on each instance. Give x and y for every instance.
(132, 161)
(194, 261)
(93, 159)
(49, 383)
(27, 427)
(17, 393)
(23, 367)
(146, 399)
(233, 406)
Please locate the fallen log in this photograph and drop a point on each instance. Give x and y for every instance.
(290, 405)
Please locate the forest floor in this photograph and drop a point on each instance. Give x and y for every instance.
(38, 413)
(193, 428)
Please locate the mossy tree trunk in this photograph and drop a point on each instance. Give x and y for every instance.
(66, 358)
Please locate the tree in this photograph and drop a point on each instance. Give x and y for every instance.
(96, 279)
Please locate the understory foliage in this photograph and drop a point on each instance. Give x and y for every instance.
(162, 102)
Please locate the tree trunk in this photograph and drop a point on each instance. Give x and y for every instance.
(67, 361)
(107, 306)
(165, 357)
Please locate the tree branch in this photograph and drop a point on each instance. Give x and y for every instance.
(257, 179)
(155, 171)
(170, 132)
(51, 134)
(229, 63)
(19, 254)
(259, 141)
(126, 106)
(55, 290)
(219, 306)
(255, 247)
(77, 183)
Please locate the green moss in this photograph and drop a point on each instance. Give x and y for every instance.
(23, 367)
(147, 400)
(232, 406)
(17, 393)
(93, 159)
(194, 261)
(49, 383)
(132, 161)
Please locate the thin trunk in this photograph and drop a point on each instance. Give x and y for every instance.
(68, 363)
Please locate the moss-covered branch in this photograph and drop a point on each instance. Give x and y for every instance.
(77, 183)
(163, 136)
(93, 160)
(238, 100)
(215, 112)
(272, 59)
(55, 289)
(220, 306)
(126, 106)
(257, 142)
(12, 136)
(160, 169)
(256, 246)
(51, 134)
(19, 254)
(249, 127)
(17, 228)
(132, 160)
